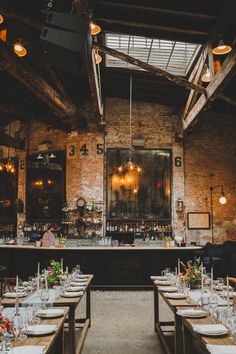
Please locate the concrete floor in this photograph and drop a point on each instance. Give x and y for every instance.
(122, 323)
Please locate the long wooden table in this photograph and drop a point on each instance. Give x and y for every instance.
(72, 303)
(190, 336)
(173, 326)
(52, 342)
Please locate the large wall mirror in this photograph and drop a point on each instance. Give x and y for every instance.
(145, 195)
(45, 186)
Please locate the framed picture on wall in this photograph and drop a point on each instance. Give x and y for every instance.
(198, 220)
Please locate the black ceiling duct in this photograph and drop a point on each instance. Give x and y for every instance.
(66, 42)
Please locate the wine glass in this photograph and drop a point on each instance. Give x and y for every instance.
(213, 304)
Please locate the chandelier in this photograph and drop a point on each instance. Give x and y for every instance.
(9, 166)
(127, 175)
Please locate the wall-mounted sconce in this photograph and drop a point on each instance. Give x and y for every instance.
(222, 201)
(179, 205)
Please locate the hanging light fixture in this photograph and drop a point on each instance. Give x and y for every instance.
(98, 58)
(129, 172)
(52, 156)
(39, 157)
(221, 48)
(206, 77)
(19, 49)
(3, 35)
(95, 29)
(1, 19)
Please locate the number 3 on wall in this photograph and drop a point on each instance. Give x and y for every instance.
(178, 161)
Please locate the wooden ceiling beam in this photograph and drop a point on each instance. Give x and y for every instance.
(221, 78)
(152, 27)
(226, 99)
(156, 10)
(32, 81)
(150, 68)
(16, 114)
(9, 141)
(21, 18)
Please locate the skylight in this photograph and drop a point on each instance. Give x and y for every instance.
(174, 57)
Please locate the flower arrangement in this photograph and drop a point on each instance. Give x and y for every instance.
(191, 273)
(5, 326)
(55, 273)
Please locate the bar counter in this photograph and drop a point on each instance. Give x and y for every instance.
(113, 267)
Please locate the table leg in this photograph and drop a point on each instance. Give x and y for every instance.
(156, 307)
(178, 334)
(60, 345)
(88, 304)
(71, 333)
(187, 342)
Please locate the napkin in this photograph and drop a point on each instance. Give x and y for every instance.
(28, 349)
(72, 294)
(13, 294)
(75, 288)
(191, 312)
(158, 277)
(221, 349)
(209, 328)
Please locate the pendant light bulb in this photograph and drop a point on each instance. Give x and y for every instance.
(1, 19)
(206, 77)
(98, 58)
(221, 48)
(95, 29)
(19, 50)
(222, 199)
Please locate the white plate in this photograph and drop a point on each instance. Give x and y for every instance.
(198, 314)
(40, 330)
(28, 349)
(175, 296)
(51, 313)
(13, 295)
(212, 334)
(72, 294)
(158, 277)
(231, 294)
(162, 282)
(168, 289)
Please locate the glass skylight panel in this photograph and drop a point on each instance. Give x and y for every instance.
(174, 57)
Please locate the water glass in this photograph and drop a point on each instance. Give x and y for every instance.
(44, 296)
(213, 304)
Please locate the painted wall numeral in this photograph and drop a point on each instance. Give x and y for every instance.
(99, 149)
(178, 161)
(71, 151)
(84, 150)
(22, 164)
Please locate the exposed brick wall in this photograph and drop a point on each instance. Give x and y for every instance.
(210, 159)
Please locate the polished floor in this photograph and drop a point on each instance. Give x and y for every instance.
(122, 323)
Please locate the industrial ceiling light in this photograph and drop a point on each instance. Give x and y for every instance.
(221, 48)
(128, 173)
(39, 157)
(222, 200)
(206, 77)
(52, 156)
(19, 50)
(1, 19)
(98, 58)
(3, 35)
(95, 29)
